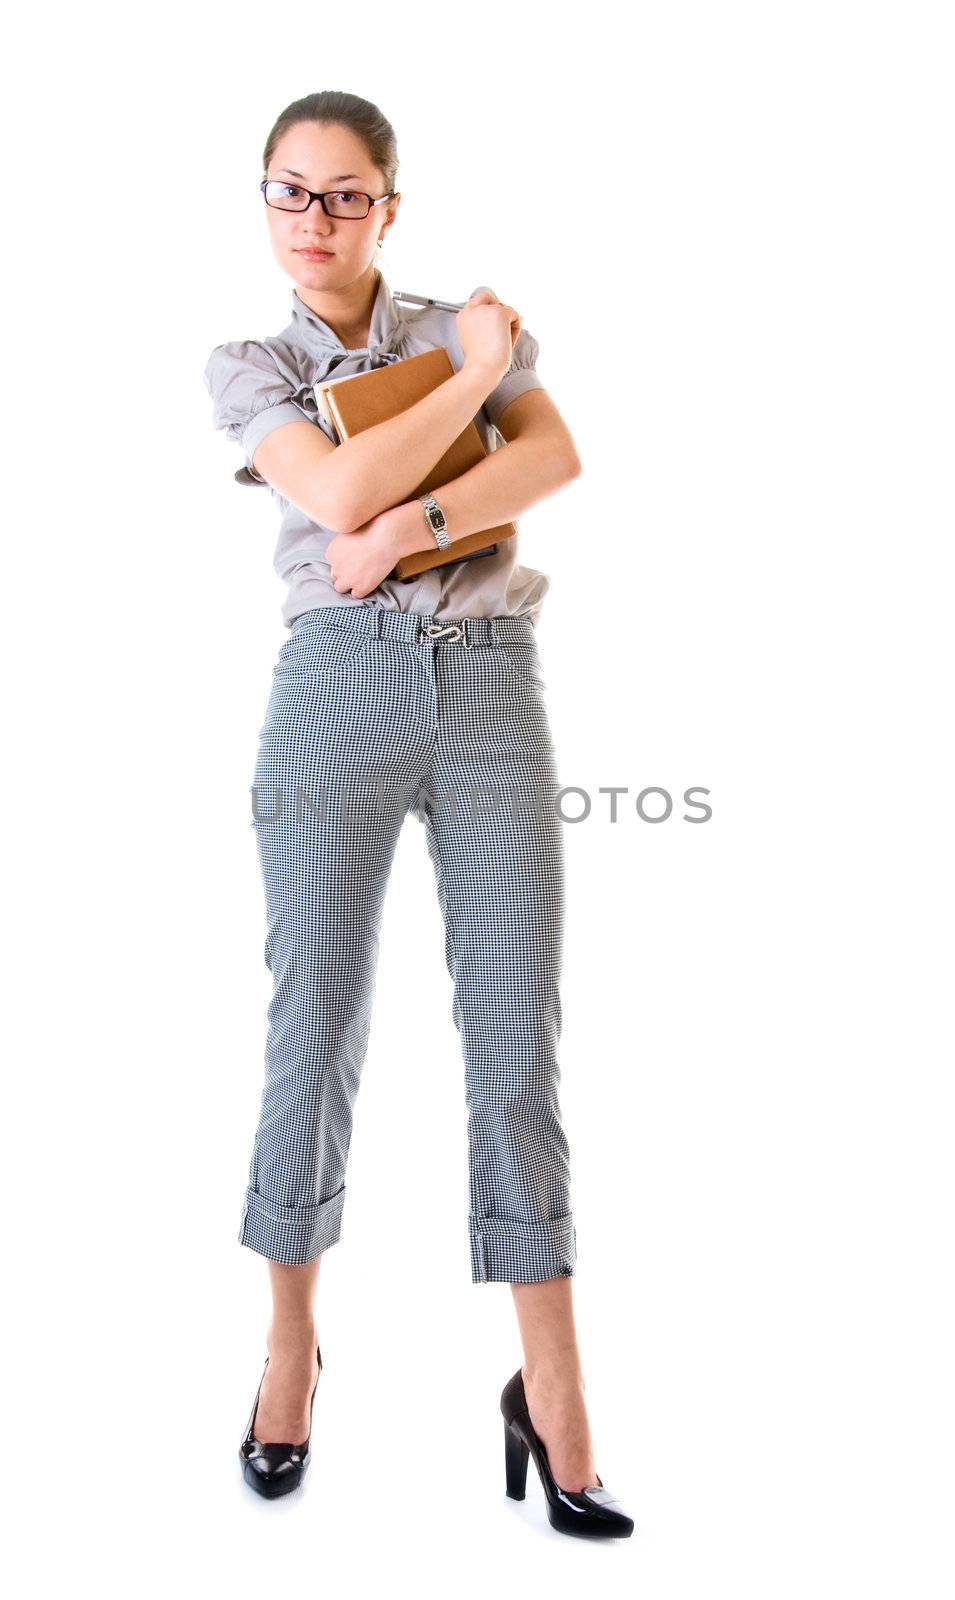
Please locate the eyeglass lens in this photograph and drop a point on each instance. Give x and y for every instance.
(342, 203)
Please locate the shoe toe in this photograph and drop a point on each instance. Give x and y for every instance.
(272, 1468)
(598, 1510)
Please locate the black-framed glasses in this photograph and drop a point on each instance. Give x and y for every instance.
(334, 202)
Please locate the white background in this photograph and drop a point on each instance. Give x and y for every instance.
(730, 229)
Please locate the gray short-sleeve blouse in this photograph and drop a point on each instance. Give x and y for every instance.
(260, 384)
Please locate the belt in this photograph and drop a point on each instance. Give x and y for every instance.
(385, 623)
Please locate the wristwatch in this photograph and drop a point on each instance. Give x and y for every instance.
(435, 519)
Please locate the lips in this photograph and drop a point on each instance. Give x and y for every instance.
(310, 254)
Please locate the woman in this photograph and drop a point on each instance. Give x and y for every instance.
(391, 696)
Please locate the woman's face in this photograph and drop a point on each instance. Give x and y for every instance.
(319, 157)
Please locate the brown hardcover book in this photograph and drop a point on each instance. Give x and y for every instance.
(367, 398)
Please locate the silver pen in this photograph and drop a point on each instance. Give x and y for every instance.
(426, 300)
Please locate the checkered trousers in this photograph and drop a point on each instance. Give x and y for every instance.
(373, 714)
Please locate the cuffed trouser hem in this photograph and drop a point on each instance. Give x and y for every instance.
(522, 1252)
(292, 1235)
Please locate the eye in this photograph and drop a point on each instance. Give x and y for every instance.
(345, 194)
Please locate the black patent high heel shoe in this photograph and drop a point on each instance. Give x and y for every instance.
(593, 1513)
(274, 1469)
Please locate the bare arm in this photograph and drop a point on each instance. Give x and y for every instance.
(537, 459)
(342, 486)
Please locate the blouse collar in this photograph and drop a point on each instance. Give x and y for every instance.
(384, 334)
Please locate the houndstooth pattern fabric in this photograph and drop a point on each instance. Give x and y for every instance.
(375, 714)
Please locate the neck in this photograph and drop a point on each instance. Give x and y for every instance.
(346, 311)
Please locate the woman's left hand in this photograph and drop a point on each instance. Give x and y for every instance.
(359, 560)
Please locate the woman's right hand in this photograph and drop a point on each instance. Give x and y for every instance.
(487, 331)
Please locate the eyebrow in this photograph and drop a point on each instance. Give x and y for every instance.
(342, 176)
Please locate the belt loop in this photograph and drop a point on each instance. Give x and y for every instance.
(494, 631)
(378, 621)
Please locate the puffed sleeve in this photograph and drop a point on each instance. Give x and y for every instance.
(250, 397)
(520, 376)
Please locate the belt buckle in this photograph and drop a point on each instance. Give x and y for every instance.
(451, 630)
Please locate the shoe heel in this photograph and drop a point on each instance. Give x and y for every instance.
(516, 1453)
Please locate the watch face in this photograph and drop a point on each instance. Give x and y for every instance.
(437, 519)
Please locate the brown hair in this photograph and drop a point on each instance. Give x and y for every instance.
(361, 116)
